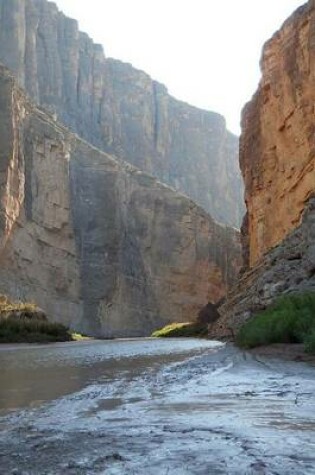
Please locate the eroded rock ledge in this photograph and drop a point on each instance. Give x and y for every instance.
(98, 244)
(287, 268)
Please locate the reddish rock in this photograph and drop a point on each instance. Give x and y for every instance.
(277, 157)
(277, 147)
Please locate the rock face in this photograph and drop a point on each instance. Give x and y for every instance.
(278, 164)
(98, 244)
(277, 149)
(119, 109)
(287, 268)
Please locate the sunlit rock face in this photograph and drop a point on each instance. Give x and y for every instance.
(98, 244)
(277, 159)
(119, 109)
(277, 149)
(287, 268)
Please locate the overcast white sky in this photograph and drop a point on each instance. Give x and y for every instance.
(205, 51)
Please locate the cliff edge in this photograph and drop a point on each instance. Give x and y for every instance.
(277, 145)
(277, 158)
(119, 109)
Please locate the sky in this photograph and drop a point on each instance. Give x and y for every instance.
(206, 52)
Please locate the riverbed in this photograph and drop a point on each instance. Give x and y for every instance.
(154, 407)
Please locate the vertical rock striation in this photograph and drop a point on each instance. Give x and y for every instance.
(119, 109)
(277, 157)
(277, 148)
(98, 244)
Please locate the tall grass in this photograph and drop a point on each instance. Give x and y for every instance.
(31, 331)
(25, 322)
(291, 319)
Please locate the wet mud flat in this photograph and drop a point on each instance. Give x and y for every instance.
(285, 351)
(168, 409)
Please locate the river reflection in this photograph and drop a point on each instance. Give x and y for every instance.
(31, 375)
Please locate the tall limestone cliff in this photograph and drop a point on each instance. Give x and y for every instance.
(277, 149)
(119, 109)
(277, 159)
(98, 244)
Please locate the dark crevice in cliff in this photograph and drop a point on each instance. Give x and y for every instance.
(156, 126)
(28, 179)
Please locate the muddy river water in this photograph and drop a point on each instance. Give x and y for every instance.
(153, 407)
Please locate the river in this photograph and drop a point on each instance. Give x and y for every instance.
(153, 407)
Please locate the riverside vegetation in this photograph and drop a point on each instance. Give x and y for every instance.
(291, 319)
(25, 323)
(182, 330)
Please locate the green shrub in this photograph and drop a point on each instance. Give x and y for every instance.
(310, 342)
(26, 323)
(31, 331)
(291, 319)
(182, 330)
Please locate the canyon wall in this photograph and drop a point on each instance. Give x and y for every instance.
(277, 147)
(98, 244)
(286, 268)
(119, 109)
(277, 157)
